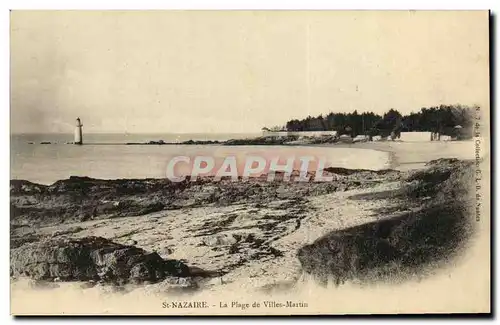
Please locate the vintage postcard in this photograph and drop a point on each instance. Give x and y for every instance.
(249, 162)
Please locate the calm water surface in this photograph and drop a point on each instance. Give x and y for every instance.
(47, 163)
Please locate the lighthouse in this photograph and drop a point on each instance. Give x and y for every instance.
(78, 132)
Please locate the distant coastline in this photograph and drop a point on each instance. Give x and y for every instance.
(123, 138)
(287, 140)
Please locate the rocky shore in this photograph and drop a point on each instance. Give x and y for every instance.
(91, 259)
(261, 140)
(428, 225)
(289, 140)
(363, 225)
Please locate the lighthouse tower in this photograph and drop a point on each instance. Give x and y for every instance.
(78, 132)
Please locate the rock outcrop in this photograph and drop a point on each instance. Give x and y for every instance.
(82, 198)
(430, 225)
(91, 258)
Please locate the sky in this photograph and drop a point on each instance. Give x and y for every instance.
(237, 71)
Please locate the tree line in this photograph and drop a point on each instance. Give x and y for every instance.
(450, 120)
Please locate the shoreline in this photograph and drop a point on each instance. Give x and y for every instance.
(251, 230)
(251, 237)
(395, 155)
(152, 161)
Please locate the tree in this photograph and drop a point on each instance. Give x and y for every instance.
(442, 119)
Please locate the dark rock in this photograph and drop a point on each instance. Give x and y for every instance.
(141, 272)
(346, 171)
(91, 258)
(200, 142)
(264, 140)
(156, 142)
(442, 161)
(176, 268)
(79, 199)
(389, 248)
(22, 186)
(402, 244)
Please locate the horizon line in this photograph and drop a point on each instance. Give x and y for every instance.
(134, 133)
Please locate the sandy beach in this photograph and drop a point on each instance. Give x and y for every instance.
(414, 155)
(247, 239)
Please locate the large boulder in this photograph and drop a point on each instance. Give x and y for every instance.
(91, 258)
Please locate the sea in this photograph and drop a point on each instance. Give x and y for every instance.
(46, 158)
